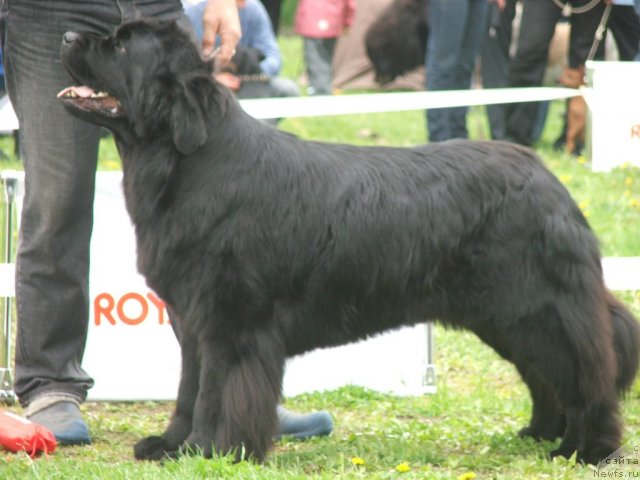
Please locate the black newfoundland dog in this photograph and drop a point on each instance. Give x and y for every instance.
(396, 42)
(265, 246)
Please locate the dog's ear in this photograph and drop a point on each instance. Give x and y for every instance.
(187, 119)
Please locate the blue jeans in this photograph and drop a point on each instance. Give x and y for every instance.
(456, 30)
(60, 155)
(318, 57)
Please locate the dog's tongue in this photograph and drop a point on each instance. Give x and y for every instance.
(81, 91)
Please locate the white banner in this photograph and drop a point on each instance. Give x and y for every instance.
(132, 352)
(613, 133)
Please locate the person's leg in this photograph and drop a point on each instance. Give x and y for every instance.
(583, 32)
(625, 27)
(59, 154)
(318, 55)
(446, 35)
(465, 67)
(495, 64)
(528, 65)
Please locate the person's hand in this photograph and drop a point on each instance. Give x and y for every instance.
(220, 17)
(229, 80)
(500, 3)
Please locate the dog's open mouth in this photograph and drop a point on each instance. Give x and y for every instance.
(86, 98)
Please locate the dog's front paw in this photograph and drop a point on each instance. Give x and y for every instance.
(153, 448)
(550, 431)
(565, 452)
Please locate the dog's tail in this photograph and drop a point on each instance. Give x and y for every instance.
(626, 343)
(608, 344)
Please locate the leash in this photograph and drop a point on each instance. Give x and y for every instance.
(254, 77)
(568, 9)
(602, 27)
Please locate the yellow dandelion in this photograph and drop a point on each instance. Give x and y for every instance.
(467, 476)
(564, 178)
(634, 202)
(628, 181)
(627, 193)
(583, 204)
(582, 159)
(403, 467)
(357, 461)
(586, 213)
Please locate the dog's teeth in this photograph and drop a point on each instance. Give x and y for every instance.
(99, 95)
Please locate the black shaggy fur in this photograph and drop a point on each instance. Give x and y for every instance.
(396, 42)
(265, 246)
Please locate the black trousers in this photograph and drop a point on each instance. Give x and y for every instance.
(539, 19)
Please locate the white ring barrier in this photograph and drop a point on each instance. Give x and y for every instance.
(397, 101)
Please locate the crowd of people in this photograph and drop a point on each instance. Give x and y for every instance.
(464, 34)
(60, 152)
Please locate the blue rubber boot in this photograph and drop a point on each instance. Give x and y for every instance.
(301, 426)
(65, 421)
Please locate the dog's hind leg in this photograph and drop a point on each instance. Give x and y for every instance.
(547, 420)
(240, 387)
(159, 447)
(568, 344)
(587, 319)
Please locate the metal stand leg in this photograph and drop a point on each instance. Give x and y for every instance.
(429, 379)
(7, 394)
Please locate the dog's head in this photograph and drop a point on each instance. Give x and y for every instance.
(145, 78)
(396, 41)
(246, 61)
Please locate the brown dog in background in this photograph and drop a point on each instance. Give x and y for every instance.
(576, 108)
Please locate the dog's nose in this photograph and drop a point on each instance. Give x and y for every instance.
(70, 37)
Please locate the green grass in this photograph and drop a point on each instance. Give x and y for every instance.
(469, 425)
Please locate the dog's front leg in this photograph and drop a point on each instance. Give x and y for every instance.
(240, 386)
(180, 426)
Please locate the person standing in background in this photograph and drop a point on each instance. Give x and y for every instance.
(527, 67)
(320, 23)
(60, 155)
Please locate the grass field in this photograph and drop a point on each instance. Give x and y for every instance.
(466, 430)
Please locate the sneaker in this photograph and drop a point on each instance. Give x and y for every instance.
(301, 426)
(64, 419)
